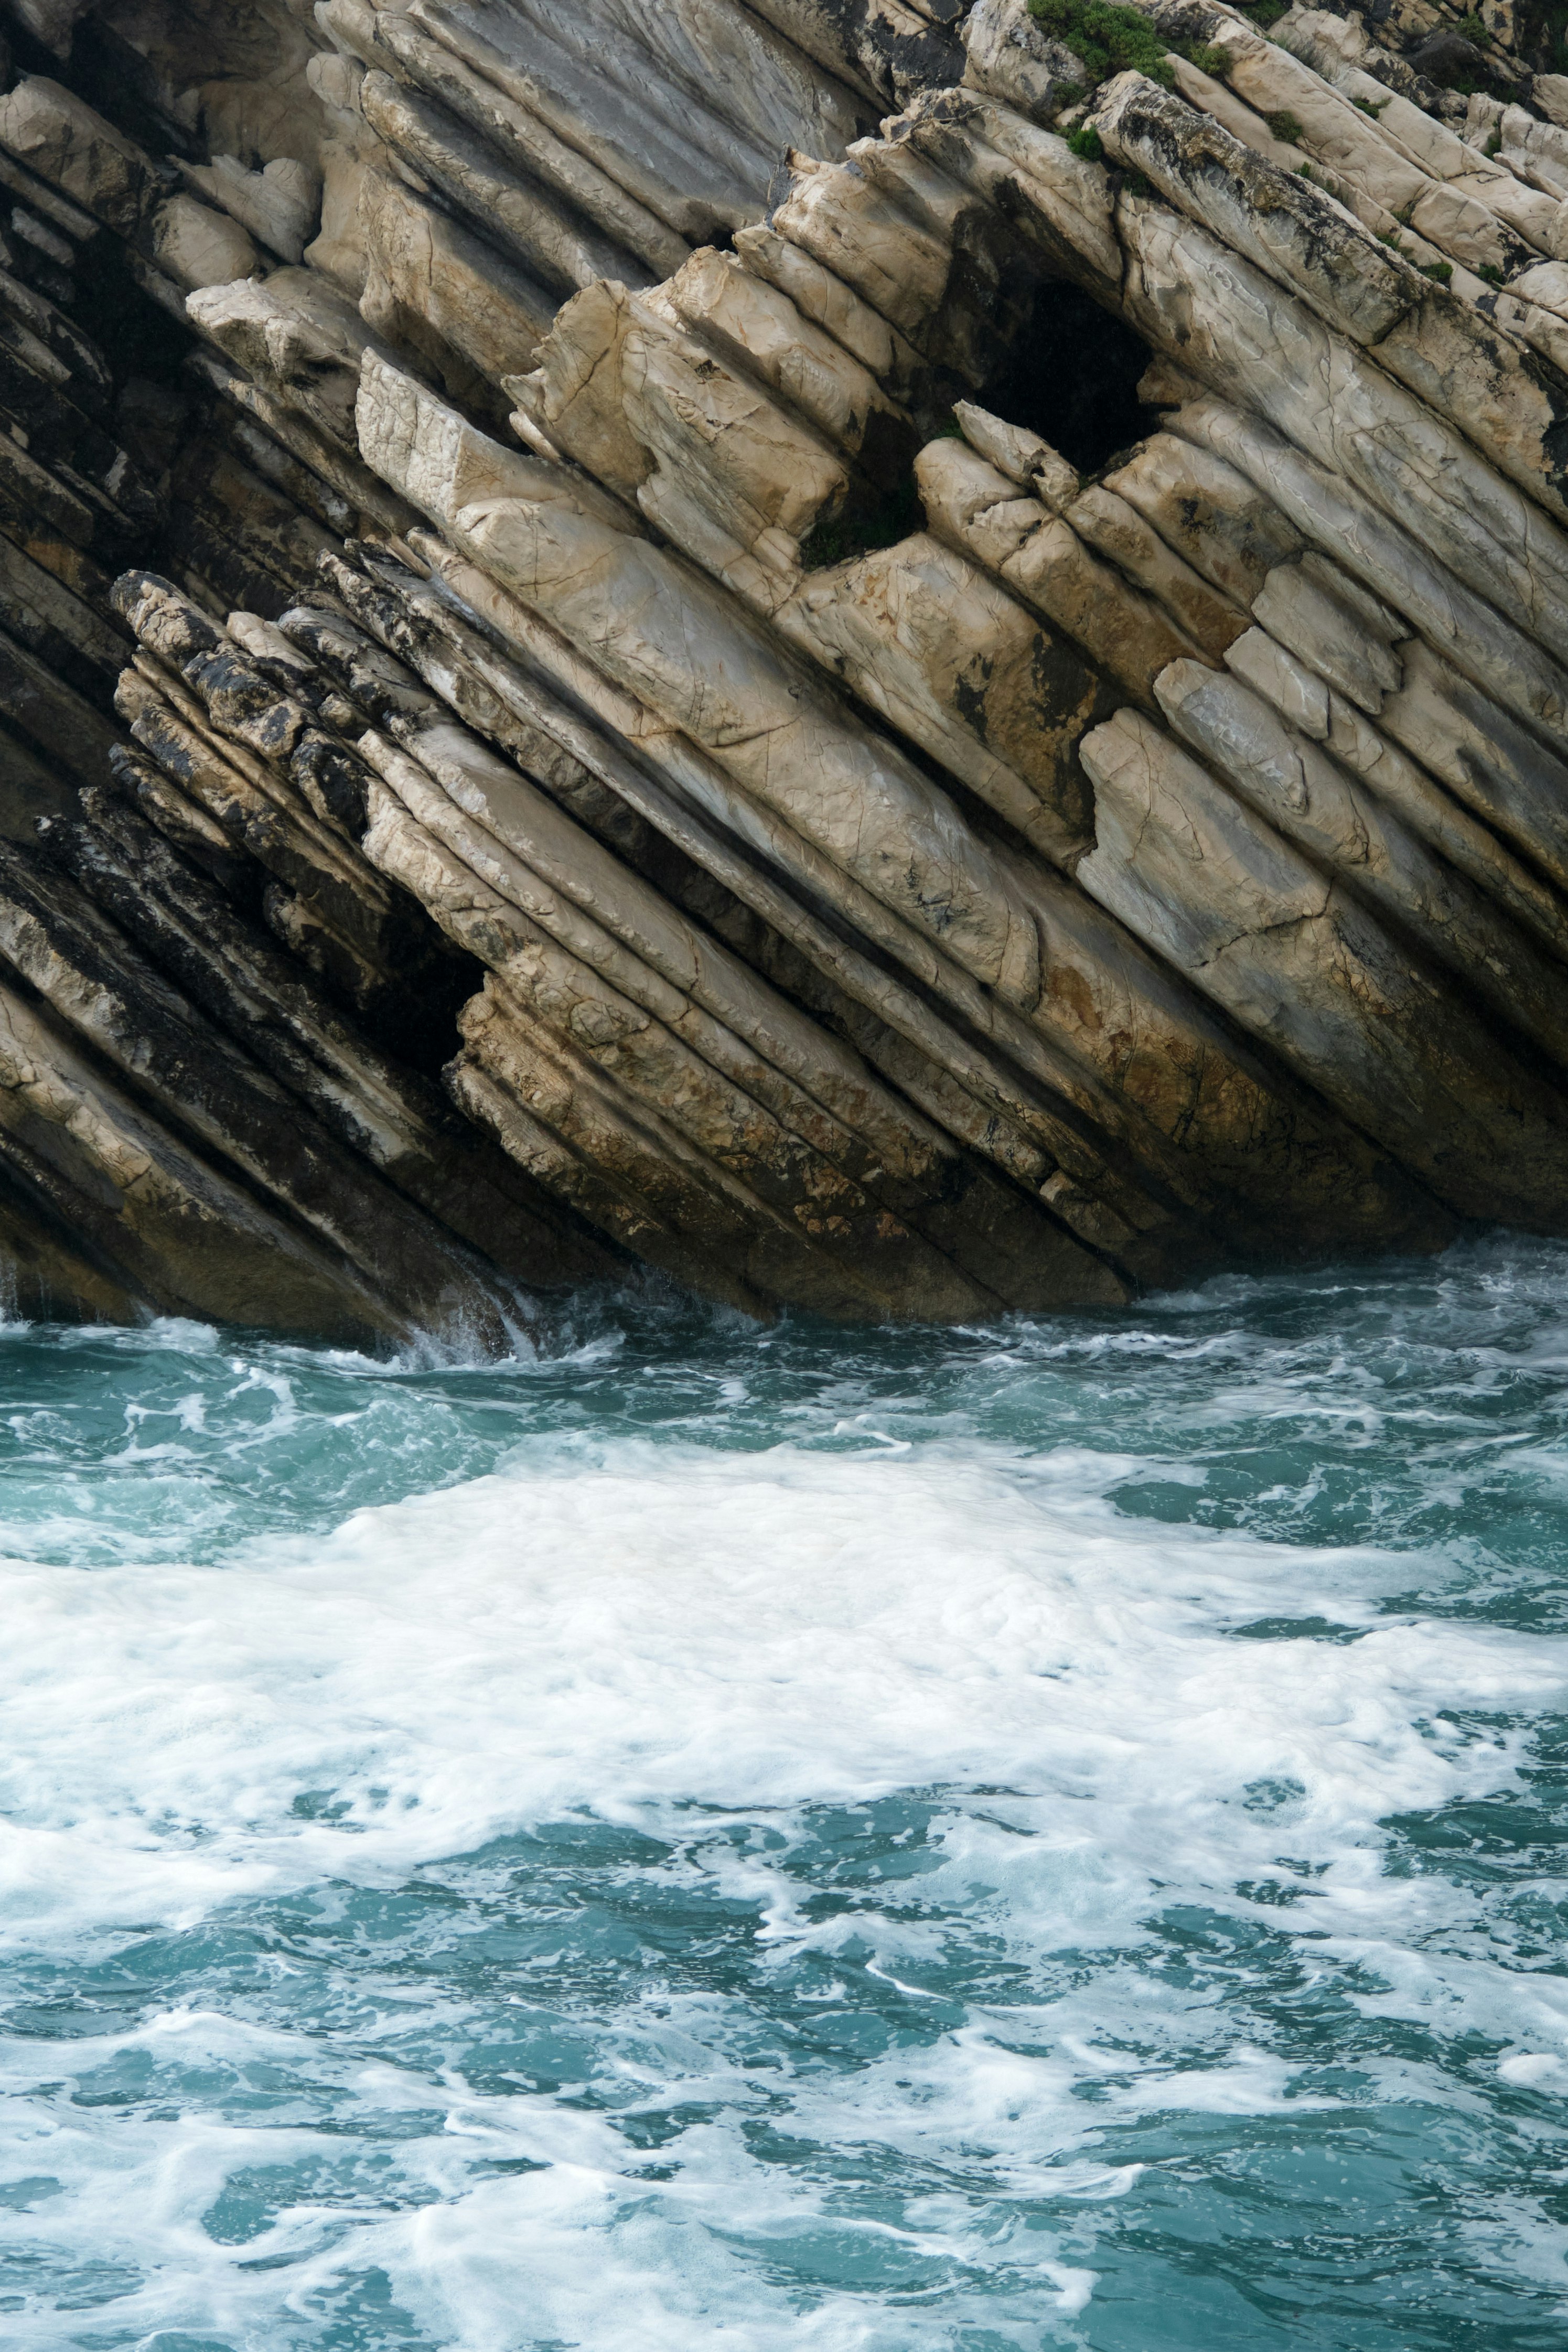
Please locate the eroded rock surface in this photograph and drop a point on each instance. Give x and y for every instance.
(612, 652)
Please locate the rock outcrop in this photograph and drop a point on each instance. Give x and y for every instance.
(901, 659)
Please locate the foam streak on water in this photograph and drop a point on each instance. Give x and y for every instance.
(706, 1839)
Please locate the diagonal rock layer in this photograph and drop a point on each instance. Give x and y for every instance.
(902, 659)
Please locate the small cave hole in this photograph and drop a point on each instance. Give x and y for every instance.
(1071, 375)
(883, 505)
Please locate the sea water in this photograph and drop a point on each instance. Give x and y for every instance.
(706, 1839)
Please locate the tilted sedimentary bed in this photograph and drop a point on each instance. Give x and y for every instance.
(902, 661)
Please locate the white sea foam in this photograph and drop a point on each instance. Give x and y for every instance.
(737, 1631)
(661, 1625)
(686, 1639)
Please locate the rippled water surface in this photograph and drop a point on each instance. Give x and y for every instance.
(1041, 1835)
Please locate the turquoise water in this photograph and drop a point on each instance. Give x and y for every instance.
(1040, 1835)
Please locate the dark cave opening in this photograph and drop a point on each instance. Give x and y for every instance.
(1071, 375)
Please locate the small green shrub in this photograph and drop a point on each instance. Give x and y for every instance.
(1367, 107)
(1210, 57)
(1442, 271)
(1494, 144)
(1304, 172)
(1106, 39)
(1264, 13)
(1490, 272)
(1085, 141)
(1286, 127)
(1474, 28)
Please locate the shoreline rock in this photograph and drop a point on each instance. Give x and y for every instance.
(603, 659)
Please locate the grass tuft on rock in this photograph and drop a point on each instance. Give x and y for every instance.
(1106, 39)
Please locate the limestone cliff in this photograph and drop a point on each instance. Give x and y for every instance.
(901, 658)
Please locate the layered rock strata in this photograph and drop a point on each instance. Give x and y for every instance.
(902, 661)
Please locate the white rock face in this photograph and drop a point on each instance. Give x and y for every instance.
(280, 204)
(1012, 59)
(1550, 93)
(196, 247)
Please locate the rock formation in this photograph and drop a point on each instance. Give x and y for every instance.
(902, 659)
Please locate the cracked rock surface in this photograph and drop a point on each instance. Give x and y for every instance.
(846, 648)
